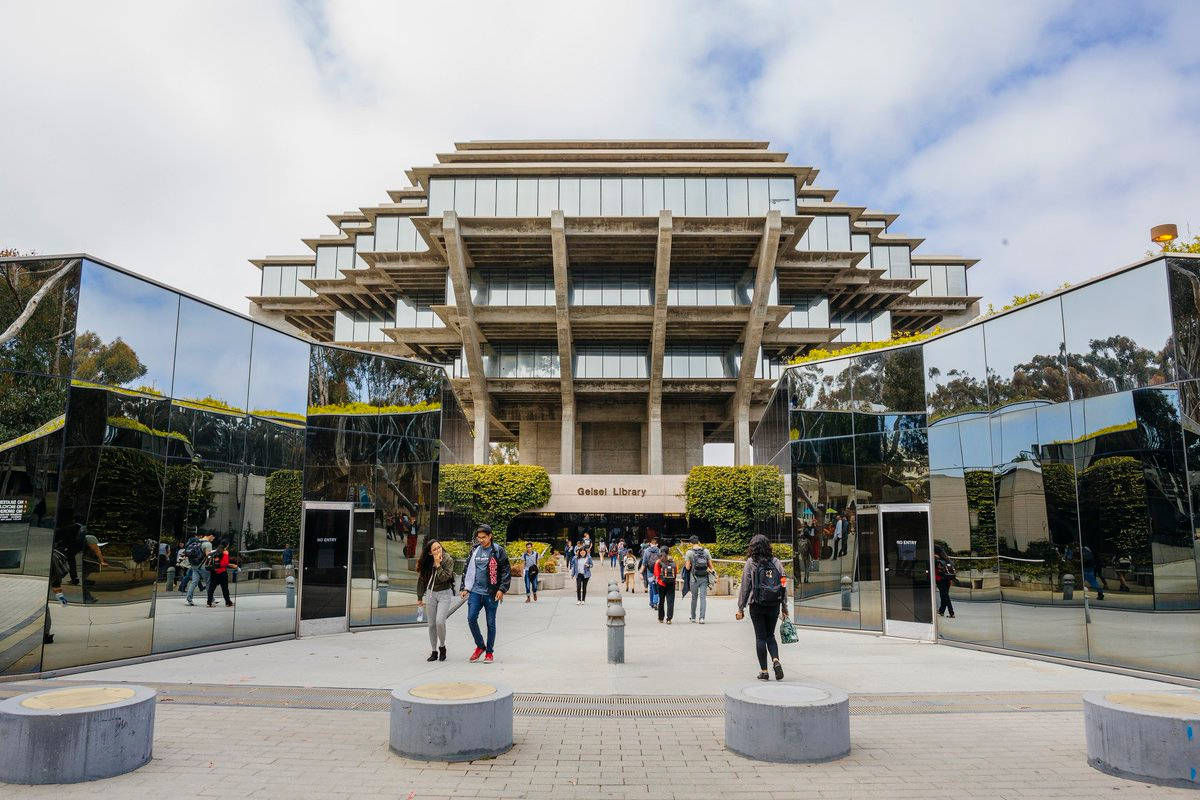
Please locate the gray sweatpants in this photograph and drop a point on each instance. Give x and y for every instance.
(438, 606)
(699, 592)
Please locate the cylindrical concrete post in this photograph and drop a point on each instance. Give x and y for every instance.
(847, 586)
(616, 625)
(1146, 736)
(78, 734)
(458, 721)
(1068, 584)
(170, 579)
(382, 582)
(290, 582)
(787, 722)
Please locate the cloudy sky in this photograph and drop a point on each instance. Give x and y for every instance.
(181, 139)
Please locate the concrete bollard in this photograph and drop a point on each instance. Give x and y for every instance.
(170, 579)
(847, 585)
(616, 625)
(291, 591)
(383, 583)
(1068, 586)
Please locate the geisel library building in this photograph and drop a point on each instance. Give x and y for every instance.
(611, 308)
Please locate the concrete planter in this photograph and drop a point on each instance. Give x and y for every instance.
(549, 580)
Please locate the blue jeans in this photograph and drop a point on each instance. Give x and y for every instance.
(1089, 577)
(530, 584)
(194, 576)
(653, 593)
(488, 603)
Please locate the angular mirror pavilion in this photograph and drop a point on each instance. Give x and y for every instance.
(1057, 447)
(135, 417)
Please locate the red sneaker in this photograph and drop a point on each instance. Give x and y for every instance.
(478, 652)
(488, 659)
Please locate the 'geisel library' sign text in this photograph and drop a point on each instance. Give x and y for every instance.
(616, 494)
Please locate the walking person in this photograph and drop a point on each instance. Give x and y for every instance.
(435, 581)
(944, 572)
(484, 583)
(198, 550)
(603, 548)
(219, 575)
(698, 562)
(650, 555)
(763, 591)
(529, 567)
(582, 570)
(630, 565)
(665, 570)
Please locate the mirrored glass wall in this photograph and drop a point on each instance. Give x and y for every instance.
(1058, 449)
(145, 433)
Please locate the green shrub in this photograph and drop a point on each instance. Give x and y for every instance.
(493, 494)
(282, 503)
(732, 499)
(458, 550)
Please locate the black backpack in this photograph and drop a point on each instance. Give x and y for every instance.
(768, 584)
(700, 564)
(668, 571)
(194, 552)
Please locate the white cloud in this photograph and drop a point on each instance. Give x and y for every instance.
(181, 139)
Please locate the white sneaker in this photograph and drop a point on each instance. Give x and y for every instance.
(701, 622)
(691, 619)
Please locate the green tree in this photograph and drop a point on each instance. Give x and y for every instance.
(503, 453)
(113, 364)
(1181, 246)
(37, 313)
(187, 499)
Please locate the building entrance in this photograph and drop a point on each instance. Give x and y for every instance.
(325, 561)
(907, 570)
(558, 529)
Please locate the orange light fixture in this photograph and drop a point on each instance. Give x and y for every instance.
(1164, 234)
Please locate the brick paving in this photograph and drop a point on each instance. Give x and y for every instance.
(229, 752)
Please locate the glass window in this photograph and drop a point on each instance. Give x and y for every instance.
(631, 197)
(673, 196)
(717, 197)
(270, 281)
(956, 374)
(547, 196)
(327, 262)
(386, 234)
(516, 288)
(589, 197)
(838, 233)
(441, 196)
(345, 258)
(611, 291)
(759, 196)
(900, 266)
(881, 259)
(956, 280)
(1112, 352)
(739, 198)
(695, 204)
(527, 197)
(464, 197)
(652, 196)
(1025, 353)
(485, 197)
(125, 331)
(212, 359)
(783, 195)
(506, 197)
(568, 196)
(861, 243)
(818, 235)
(610, 197)
(343, 327)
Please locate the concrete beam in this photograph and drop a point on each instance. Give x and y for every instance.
(765, 255)
(658, 339)
(566, 359)
(459, 260)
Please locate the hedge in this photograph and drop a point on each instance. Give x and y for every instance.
(282, 503)
(732, 499)
(493, 494)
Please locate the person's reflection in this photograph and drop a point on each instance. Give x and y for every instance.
(93, 561)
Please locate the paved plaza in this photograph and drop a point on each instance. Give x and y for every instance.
(307, 718)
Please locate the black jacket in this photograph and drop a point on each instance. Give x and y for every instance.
(503, 570)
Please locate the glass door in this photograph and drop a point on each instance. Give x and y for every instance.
(325, 560)
(907, 571)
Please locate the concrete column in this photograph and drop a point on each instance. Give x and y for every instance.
(482, 434)
(742, 454)
(654, 449)
(566, 464)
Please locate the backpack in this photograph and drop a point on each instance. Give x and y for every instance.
(668, 571)
(768, 584)
(194, 552)
(699, 564)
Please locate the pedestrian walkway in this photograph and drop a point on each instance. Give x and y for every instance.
(306, 718)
